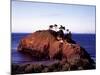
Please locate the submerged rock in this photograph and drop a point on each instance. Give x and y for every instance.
(44, 45)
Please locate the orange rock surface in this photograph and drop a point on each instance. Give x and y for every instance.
(44, 44)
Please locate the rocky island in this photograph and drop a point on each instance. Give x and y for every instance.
(52, 46)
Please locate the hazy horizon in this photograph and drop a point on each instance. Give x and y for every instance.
(37, 30)
(28, 17)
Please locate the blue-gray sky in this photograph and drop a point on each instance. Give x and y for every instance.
(32, 16)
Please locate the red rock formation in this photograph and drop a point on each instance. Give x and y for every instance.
(44, 44)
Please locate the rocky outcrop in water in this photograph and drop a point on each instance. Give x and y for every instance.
(45, 45)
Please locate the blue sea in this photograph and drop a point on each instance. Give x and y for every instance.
(87, 41)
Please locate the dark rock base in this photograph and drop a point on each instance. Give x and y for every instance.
(42, 68)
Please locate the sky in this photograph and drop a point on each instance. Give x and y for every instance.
(28, 17)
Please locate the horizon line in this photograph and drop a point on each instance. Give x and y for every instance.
(33, 32)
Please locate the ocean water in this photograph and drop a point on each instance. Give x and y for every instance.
(87, 41)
